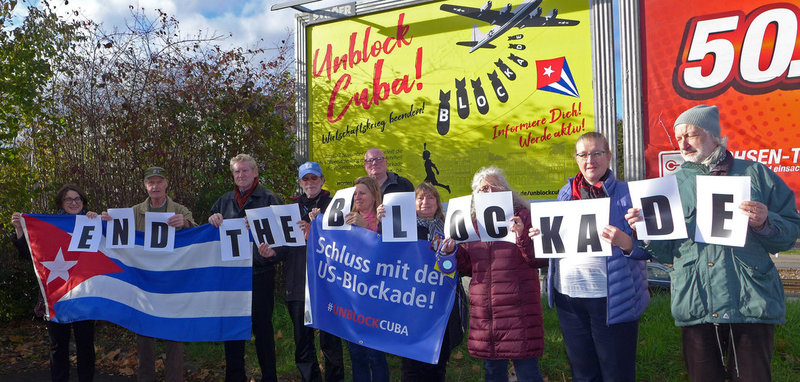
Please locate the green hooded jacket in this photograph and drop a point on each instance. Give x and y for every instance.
(721, 284)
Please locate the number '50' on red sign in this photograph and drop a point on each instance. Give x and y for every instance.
(755, 53)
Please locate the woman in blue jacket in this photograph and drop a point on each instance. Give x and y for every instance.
(600, 299)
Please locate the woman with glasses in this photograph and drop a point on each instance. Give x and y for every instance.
(71, 200)
(368, 364)
(600, 299)
(505, 307)
(430, 227)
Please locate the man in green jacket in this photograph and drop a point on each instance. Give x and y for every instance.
(726, 299)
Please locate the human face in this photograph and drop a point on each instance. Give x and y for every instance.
(426, 205)
(375, 163)
(156, 187)
(311, 184)
(596, 162)
(489, 184)
(244, 175)
(362, 199)
(695, 143)
(72, 203)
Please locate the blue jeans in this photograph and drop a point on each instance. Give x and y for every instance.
(596, 351)
(368, 364)
(527, 370)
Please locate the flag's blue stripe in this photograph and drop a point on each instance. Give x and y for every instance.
(175, 329)
(184, 237)
(187, 280)
(64, 222)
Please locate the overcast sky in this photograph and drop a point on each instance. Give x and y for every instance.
(244, 22)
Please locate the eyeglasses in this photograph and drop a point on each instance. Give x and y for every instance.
(593, 154)
(373, 160)
(73, 200)
(492, 187)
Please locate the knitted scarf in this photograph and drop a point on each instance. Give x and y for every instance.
(581, 189)
(433, 225)
(241, 198)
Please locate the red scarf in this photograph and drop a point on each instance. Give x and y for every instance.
(581, 189)
(241, 198)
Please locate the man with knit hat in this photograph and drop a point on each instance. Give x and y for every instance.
(727, 300)
(156, 183)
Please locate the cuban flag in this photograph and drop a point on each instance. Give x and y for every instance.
(186, 295)
(554, 76)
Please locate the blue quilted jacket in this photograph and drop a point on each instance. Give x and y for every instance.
(628, 296)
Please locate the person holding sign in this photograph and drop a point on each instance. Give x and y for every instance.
(366, 199)
(156, 183)
(505, 304)
(600, 299)
(71, 200)
(368, 364)
(726, 299)
(430, 227)
(313, 201)
(247, 194)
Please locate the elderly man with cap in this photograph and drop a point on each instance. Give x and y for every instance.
(248, 194)
(376, 167)
(312, 201)
(156, 183)
(726, 300)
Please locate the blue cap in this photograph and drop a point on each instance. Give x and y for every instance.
(309, 168)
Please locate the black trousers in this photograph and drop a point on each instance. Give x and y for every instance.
(263, 302)
(416, 371)
(59, 350)
(305, 354)
(741, 352)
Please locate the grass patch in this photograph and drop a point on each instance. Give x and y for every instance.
(658, 355)
(23, 346)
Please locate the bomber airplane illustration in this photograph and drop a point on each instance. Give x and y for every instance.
(527, 14)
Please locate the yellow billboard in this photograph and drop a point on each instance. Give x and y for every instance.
(446, 87)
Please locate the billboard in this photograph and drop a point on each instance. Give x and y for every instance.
(740, 55)
(446, 87)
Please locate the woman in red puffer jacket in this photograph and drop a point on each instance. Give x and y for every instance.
(505, 305)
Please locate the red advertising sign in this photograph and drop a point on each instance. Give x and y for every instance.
(741, 55)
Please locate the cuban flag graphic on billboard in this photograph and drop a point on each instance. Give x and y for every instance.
(554, 76)
(189, 294)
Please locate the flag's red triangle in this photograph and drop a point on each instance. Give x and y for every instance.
(46, 240)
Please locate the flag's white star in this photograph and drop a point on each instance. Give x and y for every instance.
(548, 71)
(58, 267)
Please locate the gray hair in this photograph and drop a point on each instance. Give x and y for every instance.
(244, 158)
(496, 174)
